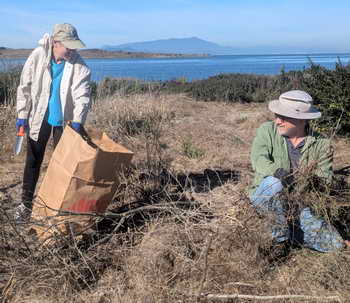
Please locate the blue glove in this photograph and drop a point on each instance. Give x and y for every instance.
(76, 126)
(21, 122)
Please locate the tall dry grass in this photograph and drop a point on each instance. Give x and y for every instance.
(9, 81)
(7, 130)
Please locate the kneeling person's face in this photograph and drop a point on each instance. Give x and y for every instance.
(289, 127)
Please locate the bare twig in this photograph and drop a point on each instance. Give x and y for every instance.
(121, 222)
(15, 230)
(7, 289)
(223, 297)
(110, 215)
(206, 252)
(241, 284)
(337, 125)
(82, 258)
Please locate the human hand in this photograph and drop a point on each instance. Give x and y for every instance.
(76, 126)
(20, 123)
(284, 176)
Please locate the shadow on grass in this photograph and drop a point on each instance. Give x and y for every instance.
(196, 182)
(173, 192)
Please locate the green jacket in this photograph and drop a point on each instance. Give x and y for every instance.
(269, 152)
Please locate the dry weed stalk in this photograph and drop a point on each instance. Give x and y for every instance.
(223, 297)
(7, 128)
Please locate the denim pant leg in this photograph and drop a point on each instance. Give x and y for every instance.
(266, 203)
(318, 234)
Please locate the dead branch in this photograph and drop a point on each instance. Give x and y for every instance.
(241, 284)
(121, 222)
(223, 297)
(206, 252)
(15, 230)
(110, 215)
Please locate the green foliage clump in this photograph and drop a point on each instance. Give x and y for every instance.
(243, 88)
(231, 88)
(330, 90)
(190, 150)
(123, 86)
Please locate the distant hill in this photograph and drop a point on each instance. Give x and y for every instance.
(8, 53)
(191, 45)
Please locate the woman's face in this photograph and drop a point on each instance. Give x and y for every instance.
(61, 52)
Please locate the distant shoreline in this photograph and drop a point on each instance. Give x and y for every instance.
(11, 53)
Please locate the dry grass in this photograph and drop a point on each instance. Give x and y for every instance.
(188, 227)
(7, 131)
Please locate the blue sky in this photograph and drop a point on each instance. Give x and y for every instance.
(270, 25)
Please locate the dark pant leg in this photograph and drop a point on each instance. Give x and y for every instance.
(35, 156)
(57, 134)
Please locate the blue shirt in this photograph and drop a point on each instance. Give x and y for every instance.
(54, 114)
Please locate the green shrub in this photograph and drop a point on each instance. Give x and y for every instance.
(124, 87)
(190, 150)
(244, 87)
(330, 90)
(228, 87)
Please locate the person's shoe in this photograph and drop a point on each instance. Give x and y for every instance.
(22, 214)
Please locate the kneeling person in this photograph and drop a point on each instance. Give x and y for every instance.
(279, 149)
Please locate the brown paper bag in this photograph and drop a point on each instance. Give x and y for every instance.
(82, 177)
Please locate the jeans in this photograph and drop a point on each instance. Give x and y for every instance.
(314, 232)
(34, 158)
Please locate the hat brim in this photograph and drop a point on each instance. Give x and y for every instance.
(73, 44)
(278, 108)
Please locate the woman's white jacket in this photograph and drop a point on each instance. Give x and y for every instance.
(33, 92)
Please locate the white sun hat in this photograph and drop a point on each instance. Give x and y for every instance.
(295, 104)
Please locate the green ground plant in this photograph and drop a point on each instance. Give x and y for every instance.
(191, 150)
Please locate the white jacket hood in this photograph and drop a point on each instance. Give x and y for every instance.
(45, 41)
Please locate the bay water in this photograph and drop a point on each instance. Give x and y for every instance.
(194, 68)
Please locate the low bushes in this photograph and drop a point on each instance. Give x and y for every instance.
(122, 86)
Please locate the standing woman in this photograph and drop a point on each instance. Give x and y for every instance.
(54, 88)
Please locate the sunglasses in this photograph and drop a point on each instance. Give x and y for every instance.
(283, 118)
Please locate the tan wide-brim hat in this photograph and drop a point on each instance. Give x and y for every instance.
(295, 104)
(67, 35)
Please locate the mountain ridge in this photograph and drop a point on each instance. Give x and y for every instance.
(189, 45)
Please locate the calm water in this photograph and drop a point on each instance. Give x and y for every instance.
(199, 68)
